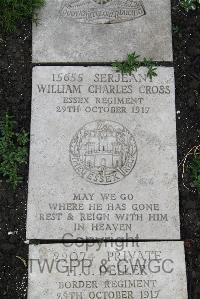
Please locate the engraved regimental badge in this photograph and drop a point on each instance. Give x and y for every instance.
(103, 152)
(102, 11)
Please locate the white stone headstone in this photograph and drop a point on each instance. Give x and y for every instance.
(107, 271)
(103, 160)
(102, 31)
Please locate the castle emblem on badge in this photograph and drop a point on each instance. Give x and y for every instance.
(103, 152)
(102, 11)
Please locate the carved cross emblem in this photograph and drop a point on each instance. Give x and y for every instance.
(102, 1)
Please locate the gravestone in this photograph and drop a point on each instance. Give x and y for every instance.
(103, 158)
(108, 271)
(102, 31)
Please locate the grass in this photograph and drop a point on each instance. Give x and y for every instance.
(132, 64)
(195, 171)
(13, 151)
(188, 5)
(13, 12)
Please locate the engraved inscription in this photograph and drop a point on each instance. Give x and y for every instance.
(102, 1)
(103, 152)
(102, 11)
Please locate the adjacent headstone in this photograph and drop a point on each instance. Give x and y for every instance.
(103, 160)
(107, 271)
(102, 31)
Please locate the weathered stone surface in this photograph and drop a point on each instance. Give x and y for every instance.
(107, 271)
(103, 155)
(93, 31)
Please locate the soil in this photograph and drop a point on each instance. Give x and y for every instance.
(15, 97)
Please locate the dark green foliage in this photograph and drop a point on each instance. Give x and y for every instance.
(132, 64)
(188, 5)
(151, 68)
(195, 171)
(176, 29)
(14, 11)
(128, 66)
(13, 151)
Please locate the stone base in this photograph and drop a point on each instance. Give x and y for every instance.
(86, 31)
